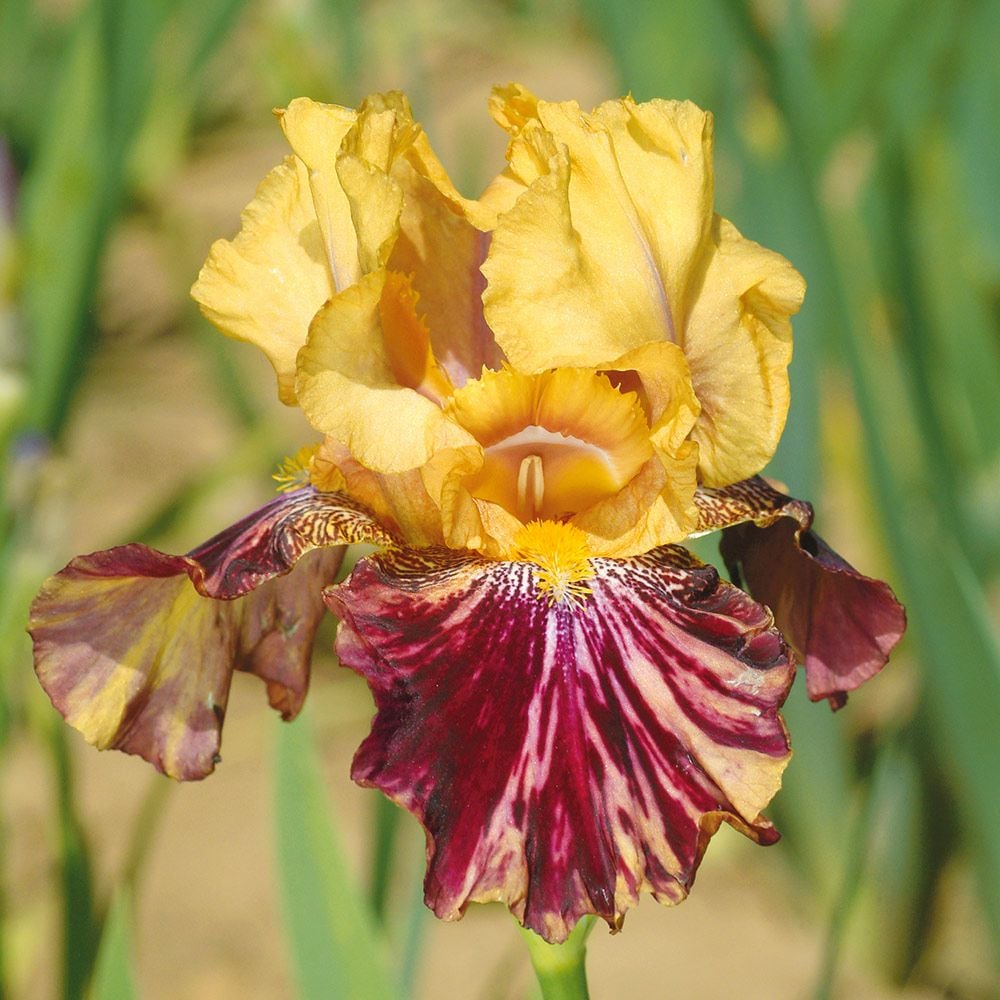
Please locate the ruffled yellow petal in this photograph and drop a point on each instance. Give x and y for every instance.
(407, 340)
(659, 375)
(738, 342)
(265, 286)
(348, 388)
(597, 256)
(442, 250)
(315, 133)
(566, 445)
(383, 133)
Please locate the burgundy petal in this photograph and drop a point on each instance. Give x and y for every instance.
(563, 756)
(137, 658)
(842, 625)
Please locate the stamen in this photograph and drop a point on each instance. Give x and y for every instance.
(561, 555)
(530, 487)
(294, 471)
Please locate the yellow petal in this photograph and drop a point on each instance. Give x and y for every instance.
(655, 508)
(442, 250)
(738, 342)
(265, 286)
(597, 257)
(348, 389)
(383, 132)
(315, 133)
(658, 373)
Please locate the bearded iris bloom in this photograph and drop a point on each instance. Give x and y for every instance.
(526, 402)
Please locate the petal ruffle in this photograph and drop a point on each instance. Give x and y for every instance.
(349, 382)
(738, 343)
(842, 624)
(265, 285)
(443, 250)
(315, 132)
(605, 240)
(613, 237)
(564, 756)
(137, 648)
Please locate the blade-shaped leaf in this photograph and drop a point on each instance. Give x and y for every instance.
(114, 976)
(336, 950)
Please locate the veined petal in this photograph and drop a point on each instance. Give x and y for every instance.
(564, 755)
(400, 501)
(265, 286)
(842, 624)
(137, 648)
(738, 343)
(606, 239)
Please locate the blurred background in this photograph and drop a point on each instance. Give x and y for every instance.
(861, 138)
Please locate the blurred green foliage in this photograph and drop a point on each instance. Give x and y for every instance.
(860, 138)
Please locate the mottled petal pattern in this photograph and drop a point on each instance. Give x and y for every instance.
(842, 624)
(564, 756)
(137, 648)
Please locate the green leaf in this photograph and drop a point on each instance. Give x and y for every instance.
(678, 50)
(81, 930)
(114, 976)
(337, 951)
(907, 851)
(386, 822)
(63, 215)
(976, 128)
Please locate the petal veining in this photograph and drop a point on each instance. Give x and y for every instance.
(564, 755)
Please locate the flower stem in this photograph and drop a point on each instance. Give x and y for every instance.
(561, 968)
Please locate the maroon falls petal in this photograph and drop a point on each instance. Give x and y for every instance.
(841, 624)
(565, 755)
(137, 648)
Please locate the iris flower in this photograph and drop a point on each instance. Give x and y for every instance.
(526, 402)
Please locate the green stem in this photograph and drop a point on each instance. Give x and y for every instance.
(561, 968)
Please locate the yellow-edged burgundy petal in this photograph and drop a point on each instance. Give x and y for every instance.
(565, 751)
(137, 648)
(842, 624)
(265, 285)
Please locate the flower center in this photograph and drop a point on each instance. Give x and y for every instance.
(553, 444)
(540, 473)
